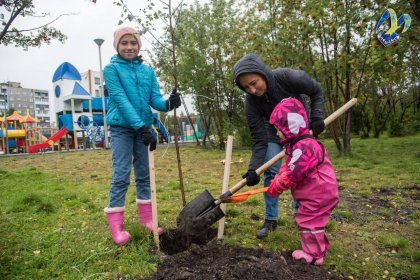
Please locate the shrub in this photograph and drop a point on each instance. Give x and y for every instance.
(396, 128)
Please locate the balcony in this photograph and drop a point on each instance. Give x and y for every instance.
(42, 114)
(41, 101)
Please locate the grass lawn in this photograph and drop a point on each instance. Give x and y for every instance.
(52, 223)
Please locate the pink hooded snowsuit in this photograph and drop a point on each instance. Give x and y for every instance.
(308, 172)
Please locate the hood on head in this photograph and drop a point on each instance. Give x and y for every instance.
(289, 116)
(251, 63)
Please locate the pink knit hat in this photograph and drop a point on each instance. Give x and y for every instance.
(119, 33)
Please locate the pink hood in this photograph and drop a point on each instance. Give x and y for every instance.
(289, 116)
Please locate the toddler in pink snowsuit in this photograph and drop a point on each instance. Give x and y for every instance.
(308, 172)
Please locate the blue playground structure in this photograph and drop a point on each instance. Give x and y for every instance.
(94, 128)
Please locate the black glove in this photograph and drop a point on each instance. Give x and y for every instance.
(174, 100)
(251, 178)
(147, 138)
(317, 126)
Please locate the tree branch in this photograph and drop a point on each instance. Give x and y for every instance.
(180, 5)
(147, 30)
(26, 30)
(159, 42)
(13, 16)
(164, 3)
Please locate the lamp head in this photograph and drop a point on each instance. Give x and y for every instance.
(99, 41)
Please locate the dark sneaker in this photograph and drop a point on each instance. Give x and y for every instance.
(268, 226)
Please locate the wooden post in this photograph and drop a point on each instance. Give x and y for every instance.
(153, 198)
(225, 184)
(84, 140)
(73, 113)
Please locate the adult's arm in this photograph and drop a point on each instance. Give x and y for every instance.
(297, 81)
(258, 133)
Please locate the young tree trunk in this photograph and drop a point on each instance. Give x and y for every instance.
(178, 155)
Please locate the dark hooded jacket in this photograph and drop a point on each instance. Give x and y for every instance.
(281, 83)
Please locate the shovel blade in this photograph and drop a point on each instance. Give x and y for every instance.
(199, 214)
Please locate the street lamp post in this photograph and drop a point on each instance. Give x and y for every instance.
(99, 42)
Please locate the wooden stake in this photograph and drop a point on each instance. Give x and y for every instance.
(225, 184)
(153, 198)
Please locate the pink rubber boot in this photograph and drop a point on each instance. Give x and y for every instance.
(144, 208)
(115, 217)
(299, 254)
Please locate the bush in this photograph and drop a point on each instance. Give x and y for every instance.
(414, 124)
(244, 136)
(409, 126)
(396, 128)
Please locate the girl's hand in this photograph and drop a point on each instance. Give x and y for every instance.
(274, 190)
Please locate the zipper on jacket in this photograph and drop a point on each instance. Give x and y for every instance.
(135, 74)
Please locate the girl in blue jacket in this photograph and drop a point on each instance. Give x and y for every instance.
(133, 89)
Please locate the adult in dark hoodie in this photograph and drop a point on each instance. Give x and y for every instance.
(265, 88)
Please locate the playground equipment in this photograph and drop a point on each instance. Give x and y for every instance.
(189, 128)
(94, 132)
(33, 149)
(19, 133)
(12, 133)
(69, 96)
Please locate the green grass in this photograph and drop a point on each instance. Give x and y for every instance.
(392, 241)
(52, 223)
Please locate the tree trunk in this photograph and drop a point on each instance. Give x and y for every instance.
(178, 155)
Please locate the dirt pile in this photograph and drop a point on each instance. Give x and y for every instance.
(214, 261)
(218, 261)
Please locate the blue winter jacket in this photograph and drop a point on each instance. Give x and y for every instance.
(132, 88)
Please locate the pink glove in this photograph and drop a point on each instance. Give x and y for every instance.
(273, 190)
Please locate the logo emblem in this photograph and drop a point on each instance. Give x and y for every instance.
(390, 36)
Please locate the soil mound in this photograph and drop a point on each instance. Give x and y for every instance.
(227, 262)
(214, 261)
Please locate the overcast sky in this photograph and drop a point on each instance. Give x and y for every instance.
(35, 67)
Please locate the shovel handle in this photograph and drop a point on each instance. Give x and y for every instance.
(280, 155)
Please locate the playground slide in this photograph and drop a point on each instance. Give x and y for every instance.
(33, 149)
(162, 130)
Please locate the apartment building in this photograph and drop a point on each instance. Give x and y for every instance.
(91, 81)
(14, 96)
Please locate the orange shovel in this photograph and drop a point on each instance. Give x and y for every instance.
(241, 197)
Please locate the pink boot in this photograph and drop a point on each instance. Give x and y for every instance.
(145, 215)
(115, 217)
(299, 254)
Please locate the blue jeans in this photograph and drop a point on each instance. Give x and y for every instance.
(271, 204)
(127, 151)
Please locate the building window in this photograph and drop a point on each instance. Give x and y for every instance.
(97, 81)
